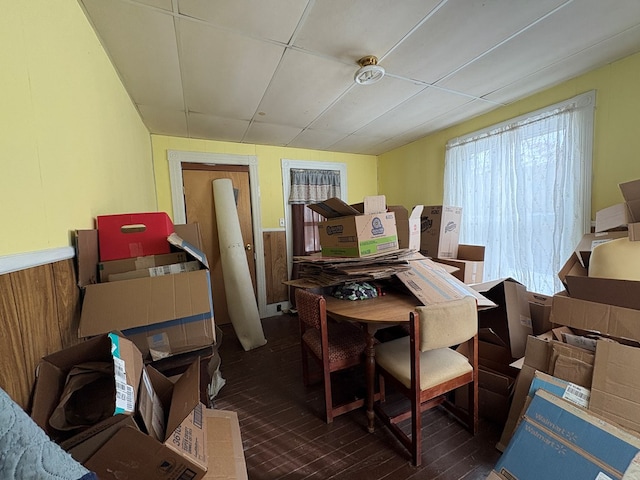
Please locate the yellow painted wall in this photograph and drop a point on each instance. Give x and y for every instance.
(414, 173)
(361, 170)
(72, 145)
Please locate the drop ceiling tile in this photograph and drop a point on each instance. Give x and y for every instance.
(270, 134)
(269, 19)
(428, 104)
(364, 103)
(620, 46)
(456, 115)
(142, 45)
(356, 143)
(353, 29)
(572, 29)
(223, 129)
(460, 31)
(163, 4)
(225, 74)
(302, 88)
(316, 139)
(164, 121)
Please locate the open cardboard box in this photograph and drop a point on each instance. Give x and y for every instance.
(356, 232)
(163, 315)
(182, 450)
(53, 370)
(470, 261)
(622, 293)
(407, 226)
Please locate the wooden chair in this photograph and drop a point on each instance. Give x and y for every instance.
(425, 369)
(333, 345)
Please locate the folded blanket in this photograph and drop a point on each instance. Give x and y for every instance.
(26, 452)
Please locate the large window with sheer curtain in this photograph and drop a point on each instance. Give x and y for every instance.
(525, 191)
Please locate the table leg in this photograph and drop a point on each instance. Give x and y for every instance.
(370, 372)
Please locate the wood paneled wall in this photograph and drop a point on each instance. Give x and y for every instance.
(275, 260)
(39, 310)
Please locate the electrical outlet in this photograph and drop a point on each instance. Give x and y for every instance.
(282, 222)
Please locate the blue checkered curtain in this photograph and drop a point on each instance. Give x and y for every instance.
(312, 186)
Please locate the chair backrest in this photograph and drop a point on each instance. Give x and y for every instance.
(311, 307)
(447, 324)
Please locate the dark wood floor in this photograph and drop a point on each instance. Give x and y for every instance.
(285, 437)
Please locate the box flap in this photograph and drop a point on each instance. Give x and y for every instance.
(87, 255)
(225, 452)
(178, 242)
(613, 217)
(630, 190)
(333, 207)
(185, 397)
(474, 253)
(375, 204)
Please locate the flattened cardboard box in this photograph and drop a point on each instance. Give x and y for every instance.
(53, 369)
(163, 315)
(615, 390)
(224, 442)
(557, 439)
(181, 454)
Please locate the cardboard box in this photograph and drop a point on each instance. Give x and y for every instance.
(470, 261)
(622, 293)
(54, 368)
(511, 320)
(615, 389)
(619, 322)
(133, 235)
(224, 446)
(591, 240)
(614, 217)
(540, 312)
(567, 363)
(631, 193)
(114, 267)
(182, 451)
(171, 269)
(440, 230)
(560, 388)
(494, 395)
(347, 232)
(162, 315)
(634, 231)
(557, 439)
(407, 226)
(431, 283)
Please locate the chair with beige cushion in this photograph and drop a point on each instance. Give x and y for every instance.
(424, 367)
(333, 345)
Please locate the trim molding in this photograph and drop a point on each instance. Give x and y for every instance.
(22, 261)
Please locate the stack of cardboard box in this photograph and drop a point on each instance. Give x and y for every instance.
(161, 298)
(590, 357)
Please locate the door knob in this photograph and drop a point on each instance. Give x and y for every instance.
(248, 247)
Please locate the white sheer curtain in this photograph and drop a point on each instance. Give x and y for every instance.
(525, 191)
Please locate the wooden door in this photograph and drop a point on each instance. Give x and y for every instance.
(199, 206)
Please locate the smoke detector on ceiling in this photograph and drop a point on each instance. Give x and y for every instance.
(369, 72)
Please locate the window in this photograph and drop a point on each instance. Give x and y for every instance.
(525, 191)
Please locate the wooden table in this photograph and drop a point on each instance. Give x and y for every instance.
(375, 313)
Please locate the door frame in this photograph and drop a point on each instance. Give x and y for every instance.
(287, 165)
(177, 157)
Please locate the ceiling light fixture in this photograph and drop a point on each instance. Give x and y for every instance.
(369, 72)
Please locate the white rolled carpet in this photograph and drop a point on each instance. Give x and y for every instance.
(241, 300)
